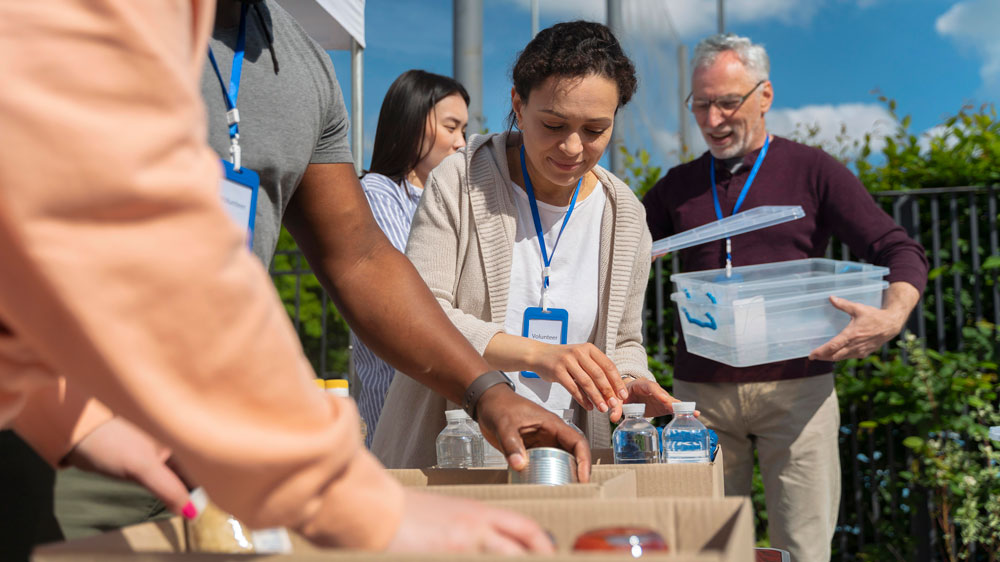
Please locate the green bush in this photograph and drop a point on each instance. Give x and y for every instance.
(934, 409)
(291, 275)
(964, 150)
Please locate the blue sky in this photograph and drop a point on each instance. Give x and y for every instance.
(826, 58)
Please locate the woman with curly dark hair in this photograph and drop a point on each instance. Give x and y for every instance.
(539, 256)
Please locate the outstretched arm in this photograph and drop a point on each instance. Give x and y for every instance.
(391, 309)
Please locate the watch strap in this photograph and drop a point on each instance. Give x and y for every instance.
(479, 386)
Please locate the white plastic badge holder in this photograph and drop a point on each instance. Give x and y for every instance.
(239, 196)
(547, 326)
(740, 223)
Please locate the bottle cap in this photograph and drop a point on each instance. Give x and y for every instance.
(455, 415)
(320, 383)
(634, 409)
(684, 407)
(338, 387)
(995, 433)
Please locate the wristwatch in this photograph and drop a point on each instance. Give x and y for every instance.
(483, 383)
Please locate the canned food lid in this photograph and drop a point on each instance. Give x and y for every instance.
(684, 407)
(635, 409)
(995, 433)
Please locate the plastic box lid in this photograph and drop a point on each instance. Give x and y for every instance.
(740, 223)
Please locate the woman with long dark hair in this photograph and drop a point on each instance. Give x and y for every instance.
(538, 255)
(422, 120)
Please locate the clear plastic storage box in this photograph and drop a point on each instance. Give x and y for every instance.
(770, 312)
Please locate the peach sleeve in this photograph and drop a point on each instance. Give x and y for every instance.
(122, 271)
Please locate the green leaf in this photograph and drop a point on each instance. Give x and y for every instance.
(937, 272)
(913, 442)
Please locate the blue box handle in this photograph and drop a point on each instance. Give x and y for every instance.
(710, 323)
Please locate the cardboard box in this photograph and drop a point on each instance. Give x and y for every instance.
(694, 529)
(491, 484)
(700, 480)
(711, 529)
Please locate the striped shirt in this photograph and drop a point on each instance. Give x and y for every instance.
(393, 206)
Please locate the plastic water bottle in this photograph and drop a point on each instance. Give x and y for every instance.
(634, 439)
(478, 446)
(492, 457)
(685, 439)
(457, 443)
(567, 416)
(339, 387)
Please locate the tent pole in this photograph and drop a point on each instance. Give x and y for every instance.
(357, 105)
(467, 57)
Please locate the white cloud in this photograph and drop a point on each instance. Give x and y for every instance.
(561, 9)
(973, 24)
(837, 127)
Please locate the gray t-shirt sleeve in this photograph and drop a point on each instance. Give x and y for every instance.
(333, 145)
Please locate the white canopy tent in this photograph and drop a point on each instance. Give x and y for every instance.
(339, 25)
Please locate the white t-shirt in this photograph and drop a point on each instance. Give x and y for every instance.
(572, 279)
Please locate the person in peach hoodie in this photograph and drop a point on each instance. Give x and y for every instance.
(123, 273)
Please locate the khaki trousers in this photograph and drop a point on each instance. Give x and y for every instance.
(794, 426)
(88, 504)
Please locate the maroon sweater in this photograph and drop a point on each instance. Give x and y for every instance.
(835, 204)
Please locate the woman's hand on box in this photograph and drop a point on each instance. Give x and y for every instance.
(442, 524)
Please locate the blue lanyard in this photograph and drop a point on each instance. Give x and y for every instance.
(739, 200)
(746, 186)
(233, 91)
(546, 256)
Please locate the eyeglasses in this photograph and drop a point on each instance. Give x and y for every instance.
(727, 104)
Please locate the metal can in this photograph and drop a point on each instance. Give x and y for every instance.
(547, 466)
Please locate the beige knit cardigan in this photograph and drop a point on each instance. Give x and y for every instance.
(461, 241)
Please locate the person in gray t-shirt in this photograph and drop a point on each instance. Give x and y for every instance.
(293, 133)
(292, 113)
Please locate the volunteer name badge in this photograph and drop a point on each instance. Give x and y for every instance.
(239, 196)
(547, 326)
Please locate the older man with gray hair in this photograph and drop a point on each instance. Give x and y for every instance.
(786, 410)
